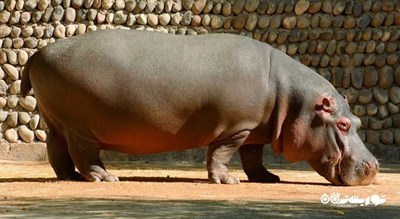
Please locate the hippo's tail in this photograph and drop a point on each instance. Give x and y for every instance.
(26, 85)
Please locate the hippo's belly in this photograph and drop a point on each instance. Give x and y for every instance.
(143, 139)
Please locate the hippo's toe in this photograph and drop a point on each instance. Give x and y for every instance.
(95, 177)
(98, 174)
(223, 179)
(111, 178)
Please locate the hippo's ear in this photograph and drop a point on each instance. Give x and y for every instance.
(325, 105)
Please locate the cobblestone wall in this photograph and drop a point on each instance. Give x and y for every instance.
(354, 44)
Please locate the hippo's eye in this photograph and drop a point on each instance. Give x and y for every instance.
(344, 125)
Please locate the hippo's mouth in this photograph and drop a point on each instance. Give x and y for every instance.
(338, 179)
(332, 171)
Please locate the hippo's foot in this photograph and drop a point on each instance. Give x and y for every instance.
(98, 174)
(86, 157)
(263, 176)
(252, 162)
(73, 176)
(222, 178)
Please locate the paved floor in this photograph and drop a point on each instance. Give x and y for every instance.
(29, 190)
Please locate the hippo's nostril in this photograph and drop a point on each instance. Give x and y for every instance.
(370, 168)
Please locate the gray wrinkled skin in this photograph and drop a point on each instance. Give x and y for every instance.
(142, 92)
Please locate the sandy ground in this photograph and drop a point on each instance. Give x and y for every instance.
(29, 189)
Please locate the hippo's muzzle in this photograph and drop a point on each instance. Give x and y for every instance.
(349, 171)
(352, 171)
(354, 165)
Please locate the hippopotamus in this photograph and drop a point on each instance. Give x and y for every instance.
(144, 92)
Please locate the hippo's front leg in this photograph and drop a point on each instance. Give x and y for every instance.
(252, 162)
(86, 156)
(218, 156)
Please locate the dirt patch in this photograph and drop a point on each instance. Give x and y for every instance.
(30, 190)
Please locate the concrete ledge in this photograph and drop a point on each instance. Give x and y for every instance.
(38, 152)
(23, 151)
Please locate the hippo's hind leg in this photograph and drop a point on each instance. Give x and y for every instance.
(86, 156)
(218, 156)
(252, 162)
(59, 157)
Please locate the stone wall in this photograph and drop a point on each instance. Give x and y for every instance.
(354, 44)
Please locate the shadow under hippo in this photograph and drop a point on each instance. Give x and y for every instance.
(142, 92)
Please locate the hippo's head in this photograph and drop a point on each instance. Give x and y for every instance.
(325, 136)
